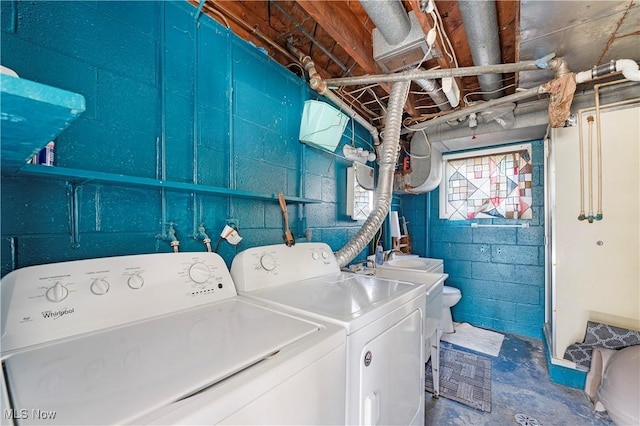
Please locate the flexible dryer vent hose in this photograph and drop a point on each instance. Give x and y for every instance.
(384, 189)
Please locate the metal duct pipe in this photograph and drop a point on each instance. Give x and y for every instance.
(390, 18)
(481, 24)
(435, 92)
(384, 188)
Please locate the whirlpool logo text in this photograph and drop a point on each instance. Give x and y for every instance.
(57, 314)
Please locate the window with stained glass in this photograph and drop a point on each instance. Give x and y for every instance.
(487, 184)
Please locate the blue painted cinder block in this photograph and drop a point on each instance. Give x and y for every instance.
(494, 271)
(33, 62)
(321, 215)
(453, 234)
(522, 255)
(121, 58)
(516, 293)
(78, 29)
(474, 288)
(494, 235)
(140, 16)
(459, 268)
(33, 207)
(127, 103)
(533, 235)
(529, 314)
(507, 264)
(529, 274)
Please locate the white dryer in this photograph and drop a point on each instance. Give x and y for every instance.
(383, 320)
(160, 339)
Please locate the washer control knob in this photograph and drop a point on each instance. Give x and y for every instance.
(99, 287)
(199, 273)
(315, 255)
(135, 282)
(268, 262)
(57, 293)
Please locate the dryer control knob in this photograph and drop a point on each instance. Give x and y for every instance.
(315, 256)
(268, 262)
(199, 273)
(57, 293)
(135, 282)
(99, 287)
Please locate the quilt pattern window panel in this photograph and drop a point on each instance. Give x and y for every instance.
(491, 186)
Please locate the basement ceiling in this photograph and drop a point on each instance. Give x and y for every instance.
(337, 36)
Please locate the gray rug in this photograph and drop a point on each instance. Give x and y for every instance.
(464, 377)
(603, 336)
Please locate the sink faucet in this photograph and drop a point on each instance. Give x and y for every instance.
(388, 255)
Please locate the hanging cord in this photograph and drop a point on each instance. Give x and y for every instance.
(435, 15)
(416, 156)
(215, 250)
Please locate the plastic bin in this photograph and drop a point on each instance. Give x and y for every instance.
(322, 125)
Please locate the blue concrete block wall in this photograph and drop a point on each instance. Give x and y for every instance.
(168, 97)
(500, 271)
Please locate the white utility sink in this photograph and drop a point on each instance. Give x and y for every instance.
(411, 264)
(424, 264)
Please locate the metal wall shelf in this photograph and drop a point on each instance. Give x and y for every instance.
(87, 176)
(32, 115)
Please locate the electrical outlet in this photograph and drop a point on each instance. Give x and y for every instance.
(499, 250)
(233, 223)
(482, 249)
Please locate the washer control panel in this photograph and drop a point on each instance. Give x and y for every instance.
(49, 302)
(258, 268)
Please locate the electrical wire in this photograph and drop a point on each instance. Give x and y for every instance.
(215, 250)
(466, 102)
(420, 157)
(435, 15)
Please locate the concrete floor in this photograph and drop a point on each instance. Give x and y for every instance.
(519, 384)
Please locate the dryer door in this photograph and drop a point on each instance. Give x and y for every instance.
(392, 375)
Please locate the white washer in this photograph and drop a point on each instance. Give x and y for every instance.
(160, 339)
(383, 320)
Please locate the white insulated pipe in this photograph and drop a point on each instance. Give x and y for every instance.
(628, 67)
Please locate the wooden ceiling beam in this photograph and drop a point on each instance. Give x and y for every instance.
(337, 19)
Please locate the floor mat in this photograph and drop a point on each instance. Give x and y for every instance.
(474, 338)
(464, 377)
